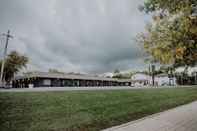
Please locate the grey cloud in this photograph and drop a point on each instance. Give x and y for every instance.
(94, 36)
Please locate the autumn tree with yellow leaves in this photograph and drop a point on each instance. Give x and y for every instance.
(171, 38)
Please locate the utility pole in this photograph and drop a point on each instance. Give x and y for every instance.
(150, 74)
(153, 74)
(8, 36)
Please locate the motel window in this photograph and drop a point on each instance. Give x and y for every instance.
(47, 82)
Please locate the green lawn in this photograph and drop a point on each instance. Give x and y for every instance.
(85, 110)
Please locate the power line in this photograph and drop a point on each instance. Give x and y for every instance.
(8, 36)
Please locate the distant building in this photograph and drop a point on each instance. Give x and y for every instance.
(45, 79)
(194, 76)
(107, 75)
(142, 79)
(164, 80)
(188, 77)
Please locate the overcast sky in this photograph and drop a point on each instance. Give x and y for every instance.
(92, 36)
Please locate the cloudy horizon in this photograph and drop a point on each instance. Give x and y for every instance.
(88, 36)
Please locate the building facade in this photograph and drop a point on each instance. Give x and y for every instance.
(42, 79)
(141, 79)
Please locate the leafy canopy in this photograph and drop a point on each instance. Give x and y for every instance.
(171, 6)
(13, 64)
(172, 36)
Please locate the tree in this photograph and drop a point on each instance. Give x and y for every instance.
(13, 64)
(117, 71)
(123, 75)
(171, 6)
(172, 36)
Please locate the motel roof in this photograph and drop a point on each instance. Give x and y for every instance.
(66, 76)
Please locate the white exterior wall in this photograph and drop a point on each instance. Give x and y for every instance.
(141, 76)
(159, 80)
(164, 80)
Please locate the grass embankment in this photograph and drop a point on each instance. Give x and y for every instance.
(85, 110)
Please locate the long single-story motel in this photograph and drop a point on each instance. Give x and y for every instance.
(43, 79)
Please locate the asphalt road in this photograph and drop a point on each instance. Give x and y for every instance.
(41, 89)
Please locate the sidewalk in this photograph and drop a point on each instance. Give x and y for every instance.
(183, 118)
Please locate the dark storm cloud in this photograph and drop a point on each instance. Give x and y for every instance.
(75, 35)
